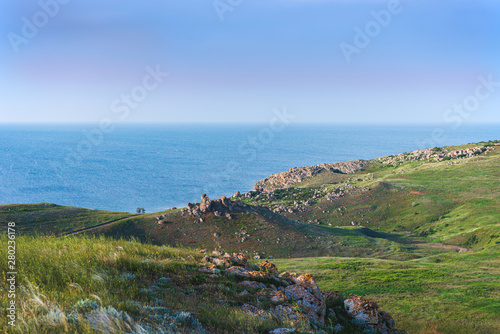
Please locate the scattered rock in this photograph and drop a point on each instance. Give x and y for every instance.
(299, 297)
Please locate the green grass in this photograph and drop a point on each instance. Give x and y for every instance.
(52, 219)
(73, 284)
(450, 293)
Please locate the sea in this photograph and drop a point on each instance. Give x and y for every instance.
(159, 166)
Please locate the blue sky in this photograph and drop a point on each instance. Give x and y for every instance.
(266, 54)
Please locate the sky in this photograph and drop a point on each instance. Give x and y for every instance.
(226, 61)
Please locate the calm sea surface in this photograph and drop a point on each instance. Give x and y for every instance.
(160, 166)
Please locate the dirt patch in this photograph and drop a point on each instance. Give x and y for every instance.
(417, 193)
(456, 248)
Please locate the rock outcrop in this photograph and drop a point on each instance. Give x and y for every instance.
(298, 298)
(219, 207)
(299, 174)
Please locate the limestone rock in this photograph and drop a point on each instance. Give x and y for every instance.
(279, 297)
(367, 311)
(298, 174)
(269, 267)
(298, 297)
(205, 204)
(286, 312)
(239, 259)
(313, 307)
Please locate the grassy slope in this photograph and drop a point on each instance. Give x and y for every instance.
(66, 285)
(268, 233)
(441, 202)
(47, 219)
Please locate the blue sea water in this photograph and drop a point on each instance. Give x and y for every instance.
(160, 166)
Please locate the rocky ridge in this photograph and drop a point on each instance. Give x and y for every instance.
(295, 297)
(299, 174)
(219, 207)
(437, 154)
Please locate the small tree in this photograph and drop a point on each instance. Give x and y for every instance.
(143, 210)
(139, 210)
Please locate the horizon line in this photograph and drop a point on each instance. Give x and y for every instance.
(252, 123)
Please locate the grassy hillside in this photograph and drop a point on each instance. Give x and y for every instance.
(452, 201)
(78, 285)
(257, 232)
(52, 219)
(84, 285)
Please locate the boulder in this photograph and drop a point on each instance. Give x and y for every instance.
(225, 201)
(308, 281)
(242, 272)
(253, 285)
(239, 259)
(271, 268)
(313, 307)
(225, 262)
(286, 312)
(205, 204)
(279, 297)
(366, 311)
